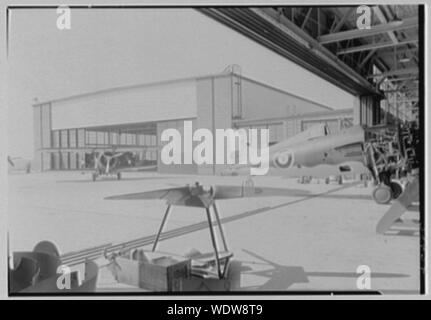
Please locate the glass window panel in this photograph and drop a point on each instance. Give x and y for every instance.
(123, 139)
(81, 137)
(100, 138)
(72, 138)
(55, 139)
(64, 138)
(91, 137)
(114, 138)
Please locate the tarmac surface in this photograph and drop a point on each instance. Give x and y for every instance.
(306, 237)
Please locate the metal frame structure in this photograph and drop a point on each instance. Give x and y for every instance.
(221, 261)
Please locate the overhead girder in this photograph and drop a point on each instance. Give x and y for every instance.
(374, 30)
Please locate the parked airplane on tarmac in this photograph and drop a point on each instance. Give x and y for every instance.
(388, 152)
(113, 163)
(18, 164)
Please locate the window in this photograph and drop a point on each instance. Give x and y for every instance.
(56, 139)
(115, 138)
(132, 139)
(81, 137)
(275, 132)
(91, 137)
(72, 138)
(147, 140)
(100, 138)
(123, 140)
(64, 139)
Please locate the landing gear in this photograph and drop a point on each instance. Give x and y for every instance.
(94, 176)
(119, 175)
(382, 194)
(396, 188)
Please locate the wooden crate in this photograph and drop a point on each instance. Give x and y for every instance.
(158, 272)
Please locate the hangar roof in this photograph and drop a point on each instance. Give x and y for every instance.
(227, 72)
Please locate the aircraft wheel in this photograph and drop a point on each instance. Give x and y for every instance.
(396, 189)
(326, 180)
(119, 175)
(340, 179)
(382, 194)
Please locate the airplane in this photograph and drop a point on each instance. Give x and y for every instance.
(113, 163)
(107, 163)
(16, 164)
(386, 152)
(212, 265)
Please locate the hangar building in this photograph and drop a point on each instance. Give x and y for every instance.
(132, 118)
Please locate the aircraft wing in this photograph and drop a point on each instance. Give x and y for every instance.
(137, 169)
(182, 195)
(232, 192)
(171, 195)
(9, 159)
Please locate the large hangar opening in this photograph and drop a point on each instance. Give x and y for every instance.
(74, 149)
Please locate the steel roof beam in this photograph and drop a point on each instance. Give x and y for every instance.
(395, 73)
(368, 57)
(383, 19)
(361, 33)
(374, 46)
(343, 20)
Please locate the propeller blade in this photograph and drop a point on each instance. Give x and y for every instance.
(117, 155)
(400, 205)
(9, 159)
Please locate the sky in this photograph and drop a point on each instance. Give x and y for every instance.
(118, 47)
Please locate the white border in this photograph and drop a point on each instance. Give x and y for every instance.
(3, 139)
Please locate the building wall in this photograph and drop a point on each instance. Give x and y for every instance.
(37, 138)
(220, 103)
(215, 102)
(172, 168)
(42, 136)
(286, 127)
(131, 105)
(258, 99)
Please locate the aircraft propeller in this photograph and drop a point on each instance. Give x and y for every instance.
(400, 205)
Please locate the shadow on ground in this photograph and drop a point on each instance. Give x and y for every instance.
(280, 277)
